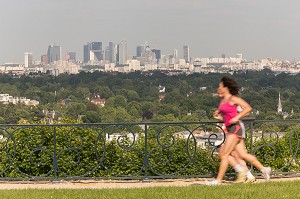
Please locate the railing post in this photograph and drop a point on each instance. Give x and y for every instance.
(251, 121)
(146, 160)
(251, 135)
(55, 166)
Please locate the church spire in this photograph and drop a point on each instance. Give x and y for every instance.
(279, 107)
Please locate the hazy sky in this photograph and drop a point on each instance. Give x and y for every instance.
(255, 28)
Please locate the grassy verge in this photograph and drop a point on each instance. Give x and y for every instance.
(272, 190)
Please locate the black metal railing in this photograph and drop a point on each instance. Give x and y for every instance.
(138, 150)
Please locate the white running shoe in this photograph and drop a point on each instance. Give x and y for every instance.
(266, 172)
(250, 180)
(241, 177)
(212, 183)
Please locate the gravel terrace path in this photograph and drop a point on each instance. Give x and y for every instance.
(111, 184)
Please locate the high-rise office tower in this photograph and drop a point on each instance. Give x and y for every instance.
(86, 53)
(71, 56)
(112, 50)
(122, 53)
(93, 52)
(96, 52)
(186, 53)
(140, 50)
(44, 59)
(28, 61)
(54, 53)
(157, 54)
(175, 54)
(107, 54)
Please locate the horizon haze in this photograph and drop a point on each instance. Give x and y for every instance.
(255, 29)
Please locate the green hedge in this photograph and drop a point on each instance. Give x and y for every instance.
(86, 151)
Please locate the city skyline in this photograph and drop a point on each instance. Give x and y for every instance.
(256, 29)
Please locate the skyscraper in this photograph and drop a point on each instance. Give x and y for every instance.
(186, 53)
(112, 48)
(157, 54)
(71, 56)
(54, 53)
(122, 53)
(107, 53)
(44, 59)
(175, 54)
(28, 60)
(93, 52)
(140, 50)
(86, 53)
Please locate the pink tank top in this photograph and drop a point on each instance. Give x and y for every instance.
(228, 112)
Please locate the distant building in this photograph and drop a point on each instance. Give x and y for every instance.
(6, 99)
(140, 50)
(110, 52)
(71, 56)
(93, 51)
(175, 54)
(162, 91)
(28, 60)
(59, 67)
(98, 101)
(50, 116)
(146, 55)
(239, 56)
(33, 103)
(157, 54)
(54, 53)
(186, 53)
(64, 102)
(12, 68)
(44, 59)
(122, 53)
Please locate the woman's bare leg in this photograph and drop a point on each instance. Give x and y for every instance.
(229, 145)
(236, 159)
(240, 150)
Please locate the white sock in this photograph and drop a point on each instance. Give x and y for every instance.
(238, 168)
(263, 170)
(249, 175)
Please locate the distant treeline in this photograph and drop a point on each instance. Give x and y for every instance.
(135, 96)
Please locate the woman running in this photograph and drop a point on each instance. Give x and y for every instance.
(228, 111)
(238, 164)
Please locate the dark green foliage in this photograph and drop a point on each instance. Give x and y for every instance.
(183, 94)
(133, 97)
(278, 146)
(93, 152)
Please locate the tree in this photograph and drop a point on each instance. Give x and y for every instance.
(83, 93)
(92, 117)
(75, 109)
(118, 101)
(132, 95)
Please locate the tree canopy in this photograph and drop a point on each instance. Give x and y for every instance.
(136, 97)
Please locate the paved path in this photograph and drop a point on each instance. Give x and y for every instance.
(106, 184)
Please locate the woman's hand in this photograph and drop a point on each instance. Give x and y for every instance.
(217, 115)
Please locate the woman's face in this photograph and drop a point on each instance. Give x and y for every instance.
(222, 89)
(220, 94)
